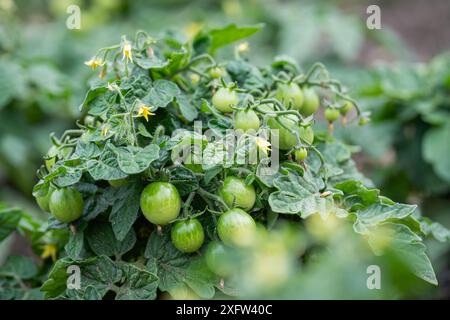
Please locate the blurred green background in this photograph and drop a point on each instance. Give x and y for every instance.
(400, 73)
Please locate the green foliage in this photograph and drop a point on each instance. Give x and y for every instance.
(410, 116)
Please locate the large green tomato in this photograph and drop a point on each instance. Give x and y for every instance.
(160, 202)
(311, 102)
(66, 204)
(187, 236)
(219, 259)
(224, 99)
(236, 228)
(290, 94)
(246, 120)
(236, 193)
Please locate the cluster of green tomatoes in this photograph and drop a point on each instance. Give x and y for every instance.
(161, 203)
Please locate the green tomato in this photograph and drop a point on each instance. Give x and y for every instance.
(290, 94)
(348, 105)
(66, 204)
(118, 182)
(219, 259)
(307, 134)
(224, 99)
(44, 201)
(216, 72)
(246, 120)
(236, 228)
(331, 114)
(300, 154)
(311, 102)
(187, 236)
(286, 139)
(160, 202)
(235, 192)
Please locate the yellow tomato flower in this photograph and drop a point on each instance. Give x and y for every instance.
(126, 51)
(94, 63)
(263, 144)
(49, 250)
(144, 111)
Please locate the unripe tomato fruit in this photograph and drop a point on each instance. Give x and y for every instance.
(286, 139)
(290, 94)
(160, 202)
(66, 204)
(236, 228)
(246, 120)
(224, 99)
(300, 154)
(44, 201)
(216, 72)
(235, 192)
(218, 258)
(348, 105)
(331, 114)
(187, 236)
(118, 182)
(310, 103)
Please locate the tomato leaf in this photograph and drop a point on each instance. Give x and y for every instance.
(409, 247)
(124, 208)
(102, 240)
(140, 284)
(174, 268)
(9, 219)
(99, 272)
(133, 160)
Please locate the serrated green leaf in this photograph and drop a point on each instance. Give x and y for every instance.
(102, 240)
(124, 208)
(98, 272)
(175, 268)
(140, 284)
(105, 168)
(133, 160)
(161, 94)
(378, 213)
(436, 148)
(408, 247)
(9, 219)
(229, 34)
(20, 266)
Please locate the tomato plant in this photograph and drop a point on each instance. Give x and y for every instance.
(230, 229)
